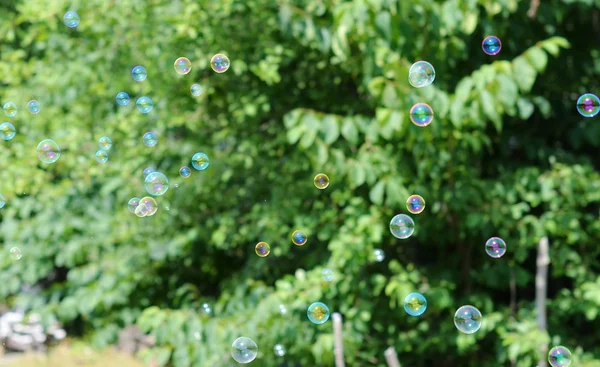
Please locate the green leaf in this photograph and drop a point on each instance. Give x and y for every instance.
(525, 108)
(349, 131)
(376, 193)
(489, 108)
(330, 128)
(537, 58)
(524, 73)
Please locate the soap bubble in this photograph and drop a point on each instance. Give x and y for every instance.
(282, 309)
(402, 226)
(101, 156)
(156, 184)
(122, 98)
(279, 350)
(206, 308)
(262, 249)
(299, 238)
(421, 74)
(318, 313)
(421, 114)
(321, 181)
(10, 109)
(144, 104)
(379, 255)
(105, 143)
(139, 73)
(559, 357)
(495, 247)
(219, 63)
(415, 204)
(196, 90)
(147, 207)
(2, 201)
(16, 253)
(327, 275)
(185, 171)
(415, 304)
(468, 319)
(33, 107)
(200, 161)
(133, 204)
(182, 65)
(147, 171)
(71, 19)
(491, 45)
(150, 139)
(7, 131)
(588, 105)
(244, 350)
(48, 151)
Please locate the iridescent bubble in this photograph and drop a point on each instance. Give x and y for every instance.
(421, 74)
(588, 105)
(421, 114)
(415, 304)
(327, 275)
(144, 104)
(402, 226)
(379, 255)
(262, 249)
(15, 253)
(101, 156)
(182, 65)
(147, 207)
(7, 131)
(219, 63)
(34, 107)
(71, 19)
(133, 204)
(495, 247)
(244, 350)
(139, 73)
(122, 98)
(491, 45)
(105, 143)
(156, 183)
(415, 204)
(321, 181)
(318, 313)
(2, 201)
(150, 139)
(185, 171)
(196, 90)
(147, 171)
(468, 319)
(200, 161)
(48, 151)
(10, 109)
(279, 350)
(299, 238)
(559, 356)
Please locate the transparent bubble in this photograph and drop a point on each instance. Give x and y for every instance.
(101, 156)
(415, 304)
(71, 19)
(147, 207)
(318, 313)
(491, 45)
(468, 319)
(321, 181)
(200, 161)
(139, 73)
(219, 63)
(588, 105)
(15, 253)
(262, 249)
(133, 204)
(122, 98)
(185, 171)
(144, 104)
(182, 66)
(34, 107)
(105, 143)
(206, 308)
(150, 139)
(421, 74)
(196, 90)
(415, 204)
(279, 350)
(299, 238)
(379, 255)
(147, 171)
(244, 350)
(402, 226)
(560, 357)
(10, 109)
(327, 275)
(421, 114)
(156, 183)
(7, 131)
(48, 151)
(282, 309)
(2, 201)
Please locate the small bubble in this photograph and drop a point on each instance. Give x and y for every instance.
(196, 90)
(101, 156)
(421, 74)
(150, 139)
(415, 304)
(491, 45)
(133, 204)
(122, 98)
(185, 171)
(105, 143)
(206, 308)
(33, 107)
(299, 238)
(421, 114)
(327, 275)
(379, 255)
(144, 104)
(321, 181)
(10, 109)
(139, 73)
(279, 350)
(495, 247)
(262, 249)
(182, 66)
(16, 253)
(219, 63)
(318, 313)
(71, 19)
(7, 131)
(282, 309)
(147, 171)
(415, 204)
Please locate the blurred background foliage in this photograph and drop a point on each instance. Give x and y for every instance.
(314, 86)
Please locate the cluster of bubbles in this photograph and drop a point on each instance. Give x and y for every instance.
(144, 207)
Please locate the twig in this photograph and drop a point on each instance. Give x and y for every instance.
(513, 303)
(541, 283)
(391, 357)
(533, 7)
(338, 345)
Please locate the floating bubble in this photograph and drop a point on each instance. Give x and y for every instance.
(122, 98)
(156, 183)
(101, 156)
(147, 207)
(182, 65)
(279, 350)
(282, 309)
(196, 90)
(421, 74)
(421, 114)
(10, 109)
(468, 319)
(200, 161)
(219, 63)
(147, 171)
(244, 350)
(2, 201)
(299, 238)
(150, 139)
(415, 304)
(327, 275)
(139, 73)
(71, 19)
(402, 226)
(415, 204)
(206, 308)
(34, 107)
(379, 255)
(185, 171)
(588, 105)
(495, 247)
(321, 181)
(559, 357)
(262, 249)
(48, 151)
(318, 313)
(15, 253)
(7, 131)
(144, 104)
(133, 204)
(105, 143)
(491, 45)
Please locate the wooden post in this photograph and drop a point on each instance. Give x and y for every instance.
(541, 284)
(391, 357)
(338, 344)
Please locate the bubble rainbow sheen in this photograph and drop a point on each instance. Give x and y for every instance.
(182, 65)
(318, 313)
(321, 181)
(495, 247)
(402, 226)
(220, 63)
(299, 238)
(156, 184)
(491, 45)
(468, 319)
(133, 204)
(421, 114)
(588, 105)
(262, 249)
(421, 74)
(48, 151)
(415, 204)
(560, 356)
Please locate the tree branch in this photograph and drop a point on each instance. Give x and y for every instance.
(533, 7)
(338, 344)
(391, 357)
(541, 284)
